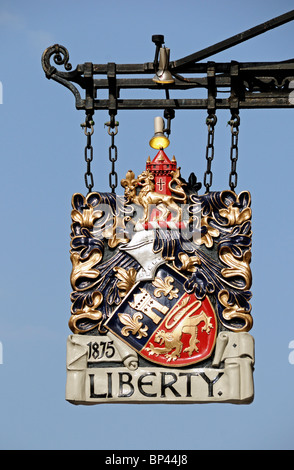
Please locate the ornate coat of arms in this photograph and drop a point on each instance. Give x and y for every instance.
(161, 288)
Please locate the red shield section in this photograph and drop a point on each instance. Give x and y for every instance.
(187, 334)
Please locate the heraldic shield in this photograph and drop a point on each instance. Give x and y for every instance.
(163, 323)
(161, 288)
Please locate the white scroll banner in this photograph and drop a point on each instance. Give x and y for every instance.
(103, 369)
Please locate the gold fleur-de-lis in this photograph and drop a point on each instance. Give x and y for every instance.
(165, 287)
(133, 325)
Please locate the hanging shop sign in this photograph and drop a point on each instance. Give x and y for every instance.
(161, 278)
(161, 288)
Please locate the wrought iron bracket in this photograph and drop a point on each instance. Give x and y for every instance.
(246, 85)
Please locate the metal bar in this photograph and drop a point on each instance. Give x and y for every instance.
(251, 100)
(224, 67)
(133, 69)
(141, 83)
(121, 69)
(223, 79)
(234, 40)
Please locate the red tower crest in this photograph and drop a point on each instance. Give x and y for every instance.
(162, 167)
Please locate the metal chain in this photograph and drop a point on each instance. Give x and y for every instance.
(112, 154)
(211, 121)
(89, 124)
(234, 123)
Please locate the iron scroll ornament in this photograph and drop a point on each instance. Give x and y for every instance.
(61, 57)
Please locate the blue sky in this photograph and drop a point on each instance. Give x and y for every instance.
(42, 165)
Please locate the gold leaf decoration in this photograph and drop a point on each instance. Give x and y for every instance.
(114, 232)
(87, 218)
(238, 266)
(127, 280)
(87, 313)
(84, 268)
(210, 233)
(234, 216)
(234, 311)
(189, 262)
(94, 316)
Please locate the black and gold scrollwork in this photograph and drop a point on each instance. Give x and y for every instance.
(226, 226)
(217, 260)
(101, 275)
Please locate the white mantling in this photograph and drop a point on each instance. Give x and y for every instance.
(141, 248)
